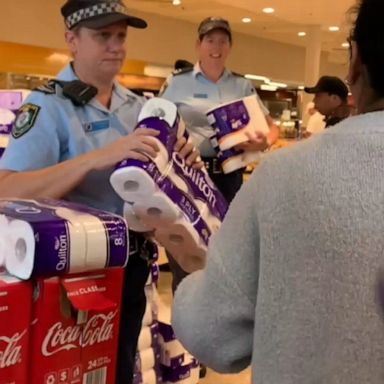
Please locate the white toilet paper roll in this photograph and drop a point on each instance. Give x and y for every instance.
(96, 255)
(132, 184)
(146, 359)
(158, 107)
(145, 339)
(149, 377)
(4, 241)
(134, 222)
(4, 140)
(183, 242)
(21, 257)
(157, 210)
(240, 161)
(148, 316)
(6, 116)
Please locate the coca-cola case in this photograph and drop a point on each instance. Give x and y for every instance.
(75, 328)
(15, 318)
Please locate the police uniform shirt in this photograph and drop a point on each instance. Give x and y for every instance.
(195, 94)
(50, 129)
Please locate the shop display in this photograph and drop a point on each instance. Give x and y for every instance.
(15, 320)
(74, 333)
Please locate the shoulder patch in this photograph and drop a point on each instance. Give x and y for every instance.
(25, 119)
(48, 88)
(181, 71)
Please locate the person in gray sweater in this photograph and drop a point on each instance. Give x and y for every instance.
(293, 282)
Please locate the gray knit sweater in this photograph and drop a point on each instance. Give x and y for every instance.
(290, 285)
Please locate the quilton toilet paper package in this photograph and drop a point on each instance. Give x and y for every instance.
(180, 205)
(15, 319)
(232, 121)
(10, 102)
(50, 238)
(75, 328)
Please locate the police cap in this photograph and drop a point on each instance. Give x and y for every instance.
(95, 14)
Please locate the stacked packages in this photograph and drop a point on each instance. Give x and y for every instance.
(234, 124)
(179, 204)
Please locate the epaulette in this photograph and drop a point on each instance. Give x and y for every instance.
(182, 71)
(77, 91)
(49, 88)
(237, 74)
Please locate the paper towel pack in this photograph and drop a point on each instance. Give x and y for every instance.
(49, 238)
(233, 120)
(179, 204)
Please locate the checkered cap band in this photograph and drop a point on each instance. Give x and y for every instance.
(95, 10)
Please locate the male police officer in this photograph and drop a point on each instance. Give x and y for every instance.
(70, 134)
(330, 99)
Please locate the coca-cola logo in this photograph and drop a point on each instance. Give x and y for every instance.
(98, 329)
(11, 353)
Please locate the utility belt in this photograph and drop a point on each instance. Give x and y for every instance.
(213, 165)
(140, 246)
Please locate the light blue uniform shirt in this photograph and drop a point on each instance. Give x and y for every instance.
(63, 131)
(195, 94)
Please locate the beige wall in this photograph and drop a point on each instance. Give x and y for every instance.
(38, 22)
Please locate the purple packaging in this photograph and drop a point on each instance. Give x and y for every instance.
(228, 118)
(139, 364)
(115, 226)
(166, 331)
(12, 101)
(52, 234)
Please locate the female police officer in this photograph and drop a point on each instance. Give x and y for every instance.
(70, 134)
(197, 89)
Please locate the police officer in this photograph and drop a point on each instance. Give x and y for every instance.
(68, 136)
(331, 99)
(197, 89)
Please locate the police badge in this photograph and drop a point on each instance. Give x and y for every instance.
(25, 119)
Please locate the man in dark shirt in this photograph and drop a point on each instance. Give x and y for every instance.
(330, 99)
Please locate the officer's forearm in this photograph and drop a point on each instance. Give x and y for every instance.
(53, 182)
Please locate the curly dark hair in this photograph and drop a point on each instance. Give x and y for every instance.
(368, 33)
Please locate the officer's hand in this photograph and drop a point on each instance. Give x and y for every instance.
(257, 141)
(189, 152)
(138, 145)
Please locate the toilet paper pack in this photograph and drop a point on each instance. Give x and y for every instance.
(232, 121)
(184, 374)
(172, 352)
(149, 337)
(10, 102)
(15, 319)
(152, 376)
(50, 238)
(75, 328)
(180, 205)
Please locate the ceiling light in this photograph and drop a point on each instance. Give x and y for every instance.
(334, 29)
(345, 45)
(278, 85)
(256, 77)
(301, 87)
(268, 10)
(267, 87)
(176, 2)
(301, 34)
(246, 19)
